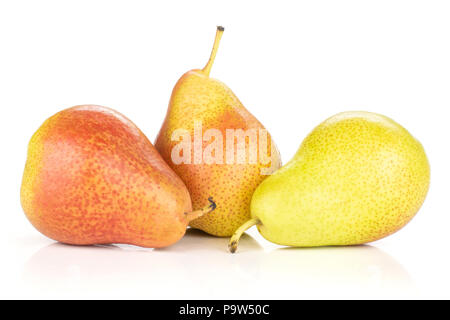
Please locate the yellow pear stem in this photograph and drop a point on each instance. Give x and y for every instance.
(207, 69)
(234, 241)
(198, 213)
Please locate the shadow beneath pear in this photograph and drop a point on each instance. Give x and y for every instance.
(60, 269)
(336, 272)
(123, 271)
(202, 261)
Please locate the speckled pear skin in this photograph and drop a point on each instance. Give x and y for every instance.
(197, 97)
(356, 178)
(92, 177)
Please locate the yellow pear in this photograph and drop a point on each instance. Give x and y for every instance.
(203, 112)
(356, 178)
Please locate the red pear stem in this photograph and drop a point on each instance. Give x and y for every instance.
(198, 213)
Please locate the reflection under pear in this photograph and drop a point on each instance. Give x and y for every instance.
(356, 271)
(202, 262)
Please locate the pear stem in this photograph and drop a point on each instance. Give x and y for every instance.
(234, 241)
(207, 69)
(198, 213)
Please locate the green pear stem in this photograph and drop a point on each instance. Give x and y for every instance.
(207, 69)
(198, 213)
(234, 241)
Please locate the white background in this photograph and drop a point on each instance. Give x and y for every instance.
(292, 64)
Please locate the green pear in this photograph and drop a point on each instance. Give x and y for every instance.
(356, 178)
